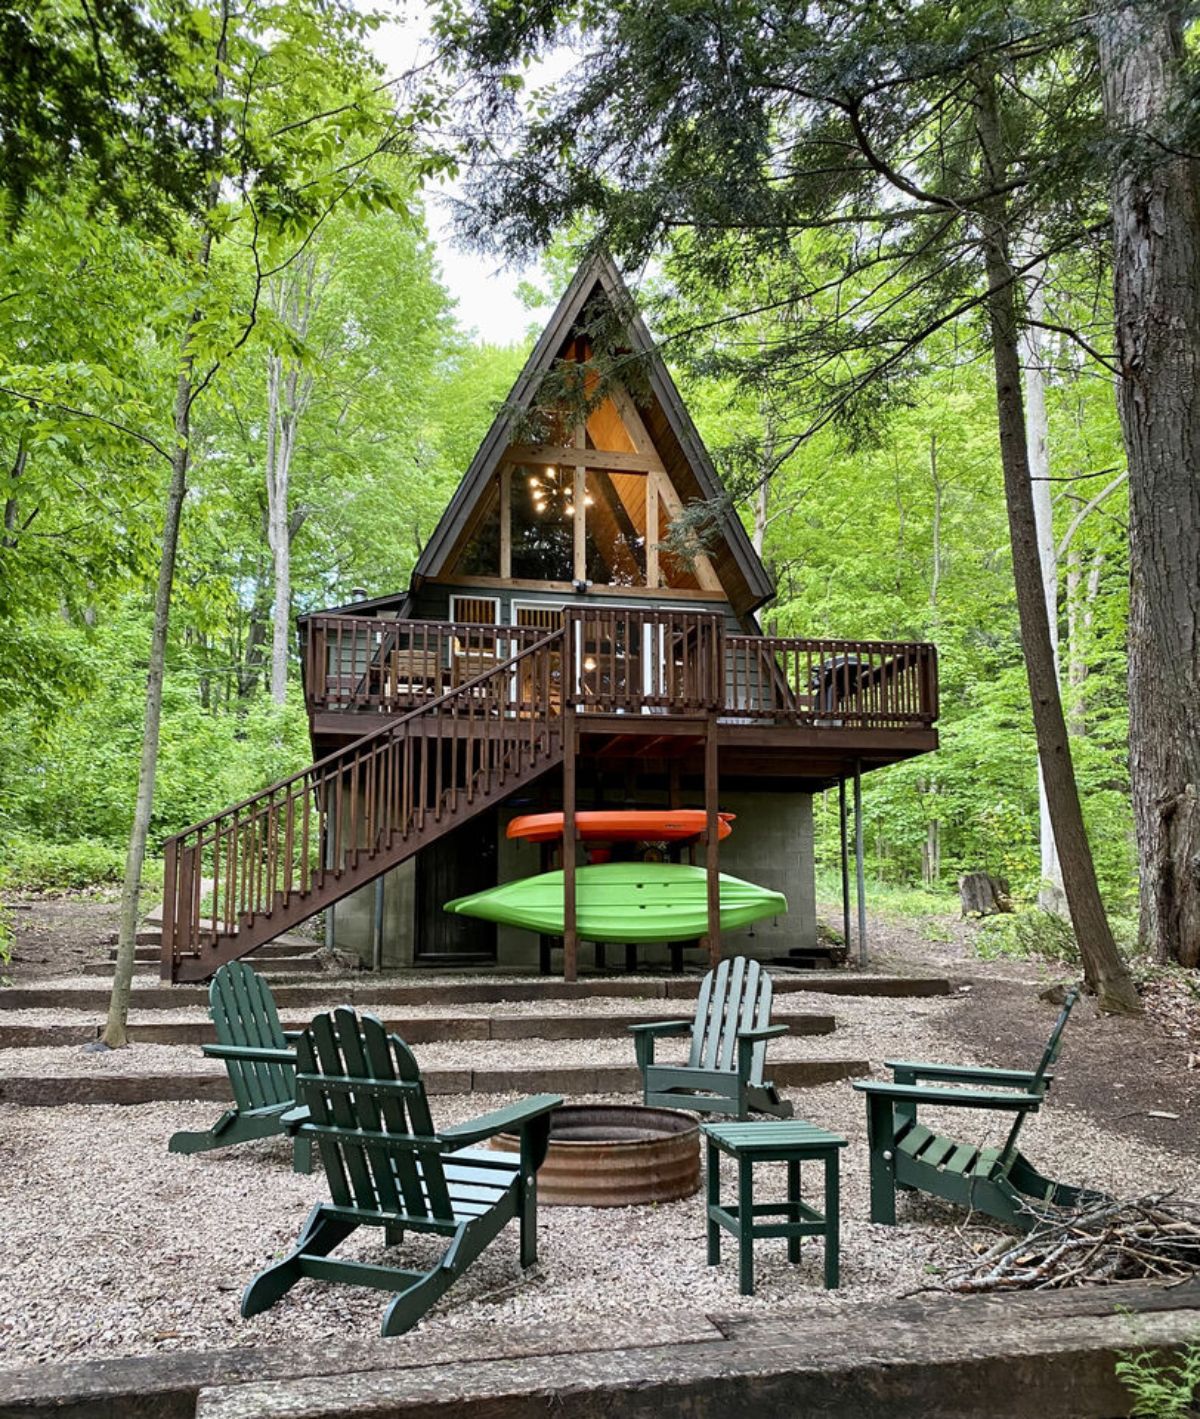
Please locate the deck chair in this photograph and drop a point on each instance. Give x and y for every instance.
(260, 1059)
(730, 1030)
(999, 1182)
(364, 1105)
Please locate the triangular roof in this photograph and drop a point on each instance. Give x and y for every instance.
(690, 469)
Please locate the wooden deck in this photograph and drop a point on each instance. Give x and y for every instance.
(643, 685)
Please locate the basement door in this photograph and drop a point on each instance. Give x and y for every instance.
(462, 862)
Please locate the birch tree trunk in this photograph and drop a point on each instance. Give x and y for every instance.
(1051, 896)
(1156, 265)
(278, 467)
(115, 1032)
(1105, 972)
(294, 297)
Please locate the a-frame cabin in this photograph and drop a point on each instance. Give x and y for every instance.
(560, 645)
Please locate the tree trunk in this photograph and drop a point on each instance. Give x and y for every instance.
(278, 461)
(1051, 896)
(935, 575)
(295, 297)
(1156, 266)
(1105, 971)
(981, 894)
(115, 1034)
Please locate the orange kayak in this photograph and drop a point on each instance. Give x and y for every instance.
(620, 825)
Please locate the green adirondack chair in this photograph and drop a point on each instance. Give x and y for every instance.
(364, 1105)
(260, 1060)
(730, 1030)
(999, 1182)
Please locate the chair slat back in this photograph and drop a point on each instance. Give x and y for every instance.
(1037, 1084)
(243, 1013)
(364, 1085)
(1054, 1043)
(735, 996)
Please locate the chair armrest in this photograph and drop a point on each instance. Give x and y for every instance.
(768, 1032)
(967, 1074)
(661, 1027)
(250, 1054)
(500, 1121)
(295, 1119)
(950, 1098)
(292, 1035)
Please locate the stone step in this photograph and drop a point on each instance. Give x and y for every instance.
(372, 993)
(149, 947)
(291, 964)
(39, 1090)
(1049, 1354)
(420, 1029)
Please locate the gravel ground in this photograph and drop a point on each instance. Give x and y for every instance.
(867, 1028)
(119, 1248)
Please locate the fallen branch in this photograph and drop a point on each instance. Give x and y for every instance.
(1150, 1238)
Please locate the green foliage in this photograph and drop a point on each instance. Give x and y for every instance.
(31, 864)
(1162, 1388)
(1032, 935)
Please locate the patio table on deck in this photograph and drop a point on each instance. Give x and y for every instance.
(790, 1141)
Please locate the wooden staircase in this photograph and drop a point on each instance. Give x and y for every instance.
(254, 871)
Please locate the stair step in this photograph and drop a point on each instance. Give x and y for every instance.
(421, 1029)
(40, 1090)
(372, 995)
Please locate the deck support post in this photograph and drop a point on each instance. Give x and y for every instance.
(377, 928)
(712, 839)
(570, 939)
(860, 875)
(845, 842)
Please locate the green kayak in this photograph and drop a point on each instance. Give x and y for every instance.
(624, 902)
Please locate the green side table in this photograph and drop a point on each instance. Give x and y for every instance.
(792, 1142)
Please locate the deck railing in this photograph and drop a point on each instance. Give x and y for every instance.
(868, 684)
(363, 663)
(626, 660)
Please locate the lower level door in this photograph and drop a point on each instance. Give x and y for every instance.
(462, 862)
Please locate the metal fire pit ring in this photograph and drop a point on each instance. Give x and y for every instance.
(615, 1155)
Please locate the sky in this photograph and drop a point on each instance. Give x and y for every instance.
(486, 290)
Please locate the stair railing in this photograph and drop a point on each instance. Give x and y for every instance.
(295, 843)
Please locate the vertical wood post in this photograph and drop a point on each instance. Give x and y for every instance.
(845, 842)
(570, 939)
(506, 521)
(652, 532)
(712, 840)
(170, 910)
(377, 927)
(579, 499)
(860, 877)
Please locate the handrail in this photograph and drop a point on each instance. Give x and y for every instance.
(355, 802)
(389, 726)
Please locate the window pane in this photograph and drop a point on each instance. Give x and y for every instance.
(673, 570)
(543, 524)
(481, 555)
(616, 528)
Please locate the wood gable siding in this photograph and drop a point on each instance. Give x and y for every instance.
(656, 433)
